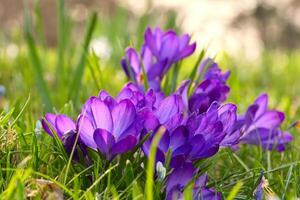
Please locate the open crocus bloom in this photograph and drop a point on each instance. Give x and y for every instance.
(159, 52)
(109, 126)
(262, 126)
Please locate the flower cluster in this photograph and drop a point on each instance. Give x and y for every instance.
(197, 121)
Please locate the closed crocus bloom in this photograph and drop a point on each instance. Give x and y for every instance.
(212, 88)
(64, 128)
(168, 46)
(262, 126)
(109, 126)
(158, 53)
(231, 126)
(60, 124)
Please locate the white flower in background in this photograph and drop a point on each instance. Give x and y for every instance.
(12, 50)
(101, 47)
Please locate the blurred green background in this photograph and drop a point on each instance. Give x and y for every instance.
(58, 51)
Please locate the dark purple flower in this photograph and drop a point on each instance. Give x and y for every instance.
(197, 137)
(231, 126)
(181, 176)
(108, 125)
(211, 129)
(177, 141)
(212, 88)
(262, 126)
(159, 52)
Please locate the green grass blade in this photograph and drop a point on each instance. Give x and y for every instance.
(22, 111)
(151, 162)
(98, 180)
(79, 71)
(36, 64)
(62, 36)
(235, 191)
(288, 181)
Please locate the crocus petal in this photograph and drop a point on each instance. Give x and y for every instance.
(150, 121)
(124, 145)
(210, 194)
(123, 115)
(104, 140)
(180, 177)
(150, 41)
(157, 70)
(133, 60)
(86, 131)
(169, 107)
(227, 115)
(262, 102)
(169, 47)
(126, 93)
(101, 115)
(198, 102)
(198, 143)
(103, 95)
(64, 124)
(182, 150)
(178, 137)
(250, 115)
(182, 90)
(270, 119)
(184, 41)
(49, 120)
(188, 51)
(164, 142)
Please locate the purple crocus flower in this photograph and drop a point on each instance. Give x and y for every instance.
(181, 176)
(170, 115)
(262, 126)
(108, 125)
(139, 98)
(64, 127)
(159, 52)
(60, 124)
(177, 141)
(197, 137)
(210, 130)
(212, 88)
